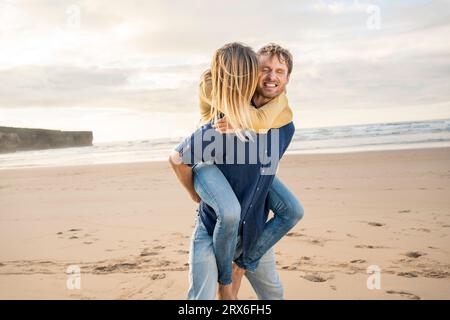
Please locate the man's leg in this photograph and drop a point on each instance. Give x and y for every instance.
(202, 265)
(265, 280)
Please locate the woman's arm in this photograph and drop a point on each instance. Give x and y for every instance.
(276, 113)
(264, 118)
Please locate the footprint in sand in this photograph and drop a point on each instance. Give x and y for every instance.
(294, 234)
(158, 276)
(376, 224)
(414, 254)
(159, 247)
(363, 246)
(358, 261)
(180, 235)
(407, 274)
(305, 258)
(421, 229)
(163, 263)
(146, 253)
(71, 234)
(115, 267)
(316, 242)
(404, 294)
(289, 268)
(315, 278)
(436, 274)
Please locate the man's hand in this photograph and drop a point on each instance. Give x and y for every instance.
(196, 197)
(223, 126)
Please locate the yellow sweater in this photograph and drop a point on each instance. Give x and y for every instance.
(274, 114)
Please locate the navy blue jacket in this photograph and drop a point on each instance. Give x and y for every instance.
(249, 173)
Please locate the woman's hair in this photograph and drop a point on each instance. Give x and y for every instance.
(234, 77)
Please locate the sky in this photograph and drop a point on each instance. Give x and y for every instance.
(130, 69)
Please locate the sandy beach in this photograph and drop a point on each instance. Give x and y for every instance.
(128, 226)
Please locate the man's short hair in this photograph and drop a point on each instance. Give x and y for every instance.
(283, 54)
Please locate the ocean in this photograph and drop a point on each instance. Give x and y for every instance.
(340, 139)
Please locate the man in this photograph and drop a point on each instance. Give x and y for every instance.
(254, 190)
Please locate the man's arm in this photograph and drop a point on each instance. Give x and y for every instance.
(184, 174)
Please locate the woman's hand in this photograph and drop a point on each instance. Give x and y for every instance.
(223, 126)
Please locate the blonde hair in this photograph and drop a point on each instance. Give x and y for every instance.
(234, 77)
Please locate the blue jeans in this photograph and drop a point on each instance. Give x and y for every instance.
(214, 189)
(287, 212)
(203, 270)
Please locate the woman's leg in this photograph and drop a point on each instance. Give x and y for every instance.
(287, 212)
(214, 189)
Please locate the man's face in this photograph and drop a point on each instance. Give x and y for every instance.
(273, 76)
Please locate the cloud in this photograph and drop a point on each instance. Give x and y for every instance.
(47, 86)
(149, 54)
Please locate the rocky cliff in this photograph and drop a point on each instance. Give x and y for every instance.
(18, 139)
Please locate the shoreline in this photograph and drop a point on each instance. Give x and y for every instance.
(404, 147)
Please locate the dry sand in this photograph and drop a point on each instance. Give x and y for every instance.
(127, 226)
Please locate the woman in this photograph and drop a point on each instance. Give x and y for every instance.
(227, 89)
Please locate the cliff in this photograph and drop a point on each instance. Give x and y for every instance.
(18, 139)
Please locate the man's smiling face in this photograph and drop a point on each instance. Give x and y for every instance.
(273, 76)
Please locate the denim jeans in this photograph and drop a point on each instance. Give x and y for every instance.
(203, 270)
(214, 189)
(287, 212)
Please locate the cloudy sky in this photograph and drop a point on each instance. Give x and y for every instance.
(129, 69)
